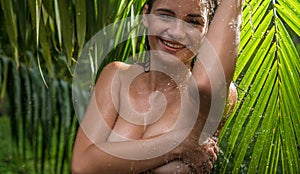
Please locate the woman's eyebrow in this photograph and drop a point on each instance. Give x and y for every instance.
(165, 10)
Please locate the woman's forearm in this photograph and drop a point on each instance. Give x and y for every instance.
(95, 161)
(127, 156)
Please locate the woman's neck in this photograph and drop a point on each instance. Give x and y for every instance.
(159, 81)
(164, 75)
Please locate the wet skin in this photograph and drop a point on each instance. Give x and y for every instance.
(177, 28)
(105, 128)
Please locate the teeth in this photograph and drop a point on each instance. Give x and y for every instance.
(177, 46)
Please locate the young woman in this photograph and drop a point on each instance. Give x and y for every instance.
(158, 131)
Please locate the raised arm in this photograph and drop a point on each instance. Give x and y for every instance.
(223, 37)
(216, 60)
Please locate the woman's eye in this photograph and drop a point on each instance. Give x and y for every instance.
(165, 16)
(195, 22)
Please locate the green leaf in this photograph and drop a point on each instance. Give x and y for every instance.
(290, 12)
(27, 107)
(48, 5)
(80, 11)
(4, 77)
(251, 47)
(252, 16)
(262, 135)
(67, 27)
(46, 49)
(264, 142)
(11, 27)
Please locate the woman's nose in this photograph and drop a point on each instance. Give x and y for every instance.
(177, 31)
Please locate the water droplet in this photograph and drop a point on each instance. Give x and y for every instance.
(233, 24)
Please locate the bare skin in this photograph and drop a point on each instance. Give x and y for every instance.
(107, 130)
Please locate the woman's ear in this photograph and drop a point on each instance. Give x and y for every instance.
(145, 13)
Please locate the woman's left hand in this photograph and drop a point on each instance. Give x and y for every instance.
(200, 158)
(211, 149)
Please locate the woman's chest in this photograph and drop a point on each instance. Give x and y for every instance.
(156, 111)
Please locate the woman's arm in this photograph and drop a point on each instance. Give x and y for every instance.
(93, 153)
(216, 60)
(91, 158)
(223, 37)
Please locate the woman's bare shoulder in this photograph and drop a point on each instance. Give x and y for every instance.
(116, 71)
(114, 66)
(110, 70)
(119, 66)
(119, 69)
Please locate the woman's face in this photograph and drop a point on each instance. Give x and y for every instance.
(176, 27)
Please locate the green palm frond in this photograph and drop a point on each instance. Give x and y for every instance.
(262, 135)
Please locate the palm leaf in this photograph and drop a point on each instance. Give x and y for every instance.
(262, 135)
(80, 10)
(11, 28)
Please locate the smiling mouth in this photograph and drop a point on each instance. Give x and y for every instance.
(174, 46)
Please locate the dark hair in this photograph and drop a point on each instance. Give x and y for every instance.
(212, 5)
(150, 4)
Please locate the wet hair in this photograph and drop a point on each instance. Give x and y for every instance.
(211, 4)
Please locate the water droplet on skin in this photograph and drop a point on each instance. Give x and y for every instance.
(233, 24)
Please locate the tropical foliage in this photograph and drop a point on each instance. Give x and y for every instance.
(263, 134)
(41, 41)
